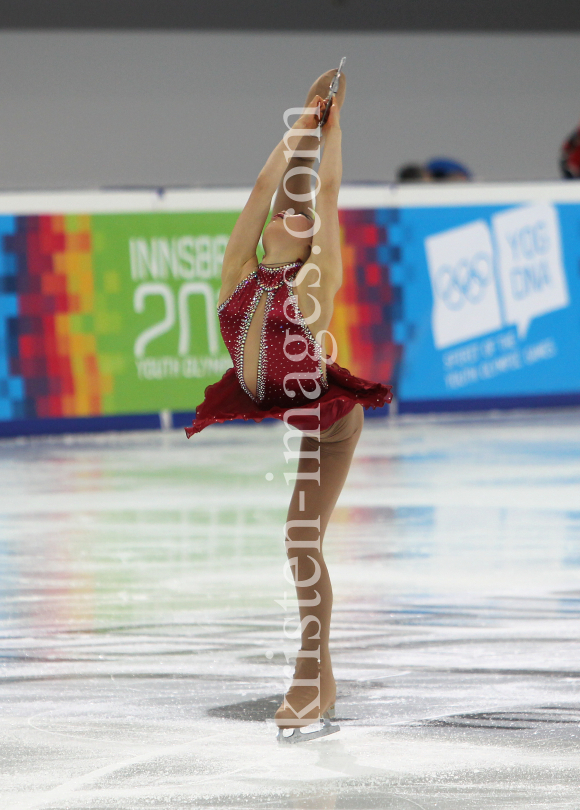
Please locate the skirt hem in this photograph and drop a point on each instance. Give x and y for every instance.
(225, 401)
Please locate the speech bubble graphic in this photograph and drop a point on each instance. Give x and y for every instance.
(529, 262)
(461, 269)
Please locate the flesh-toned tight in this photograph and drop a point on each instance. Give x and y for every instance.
(336, 445)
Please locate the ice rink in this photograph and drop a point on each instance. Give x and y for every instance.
(142, 630)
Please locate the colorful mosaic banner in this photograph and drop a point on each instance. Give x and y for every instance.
(110, 313)
(456, 304)
(368, 303)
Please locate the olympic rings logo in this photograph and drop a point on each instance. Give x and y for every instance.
(464, 283)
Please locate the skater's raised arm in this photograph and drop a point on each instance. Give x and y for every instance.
(246, 234)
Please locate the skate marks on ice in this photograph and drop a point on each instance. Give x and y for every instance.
(258, 710)
(528, 719)
(141, 640)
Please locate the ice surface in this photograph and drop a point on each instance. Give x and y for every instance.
(143, 645)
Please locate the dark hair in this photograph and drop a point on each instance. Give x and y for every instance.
(410, 173)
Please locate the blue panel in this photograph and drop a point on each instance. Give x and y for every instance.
(491, 304)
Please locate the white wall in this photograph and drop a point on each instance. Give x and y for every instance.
(107, 109)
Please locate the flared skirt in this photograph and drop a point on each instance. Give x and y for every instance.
(225, 401)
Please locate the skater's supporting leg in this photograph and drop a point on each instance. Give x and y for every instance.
(314, 503)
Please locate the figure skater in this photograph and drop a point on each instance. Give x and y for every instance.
(269, 313)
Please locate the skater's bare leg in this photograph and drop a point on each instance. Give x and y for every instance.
(315, 503)
(300, 184)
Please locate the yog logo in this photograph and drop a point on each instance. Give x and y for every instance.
(482, 283)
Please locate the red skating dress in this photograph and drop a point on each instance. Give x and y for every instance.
(292, 384)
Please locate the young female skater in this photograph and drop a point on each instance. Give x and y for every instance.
(269, 313)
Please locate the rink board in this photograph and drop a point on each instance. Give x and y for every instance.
(462, 297)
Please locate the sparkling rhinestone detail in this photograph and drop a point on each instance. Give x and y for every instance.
(281, 267)
(263, 355)
(281, 317)
(243, 283)
(241, 343)
(281, 272)
(316, 347)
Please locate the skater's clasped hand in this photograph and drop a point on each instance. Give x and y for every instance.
(333, 120)
(311, 120)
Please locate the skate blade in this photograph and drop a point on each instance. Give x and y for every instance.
(289, 736)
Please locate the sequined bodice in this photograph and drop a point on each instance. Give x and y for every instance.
(290, 360)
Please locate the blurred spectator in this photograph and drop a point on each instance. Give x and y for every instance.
(437, 170)
(570, 156)
(445, 170)
(413, 173)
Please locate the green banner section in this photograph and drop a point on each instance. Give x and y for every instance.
(156, 284)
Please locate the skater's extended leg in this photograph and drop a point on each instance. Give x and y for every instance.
(299, 184)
